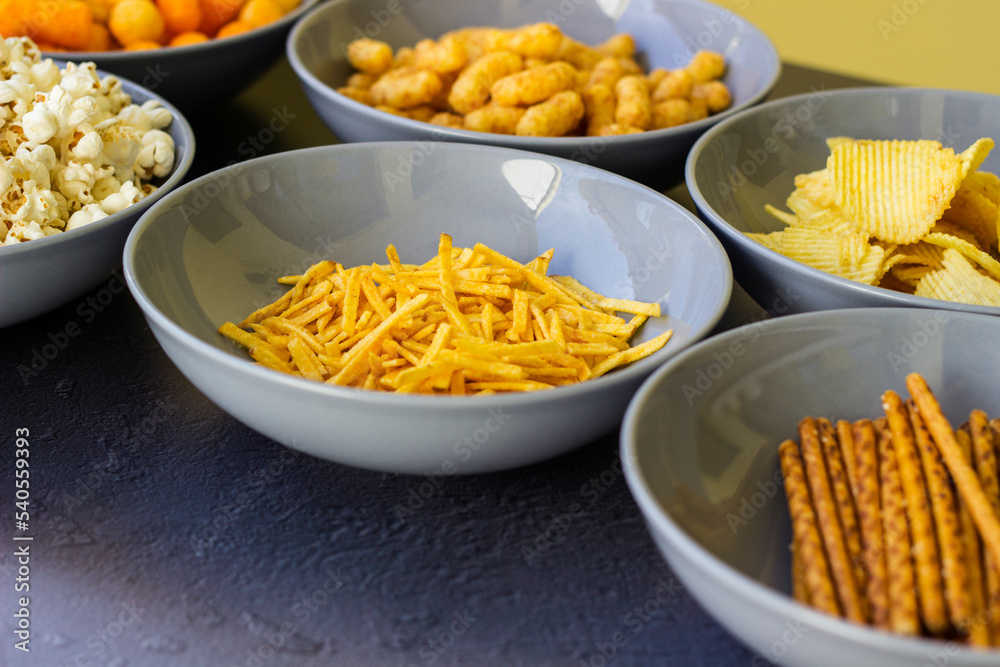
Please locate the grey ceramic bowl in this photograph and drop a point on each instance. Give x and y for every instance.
(751, 159)
(667, 32)
(40, 275)
(699, 449)
(211, 253)
(198, 77)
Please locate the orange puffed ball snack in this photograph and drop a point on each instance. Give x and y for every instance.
(112, 25)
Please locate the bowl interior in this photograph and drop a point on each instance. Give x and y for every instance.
(667, 32)
(701, 435)
(213, 251)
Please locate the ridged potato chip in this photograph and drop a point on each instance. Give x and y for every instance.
(894, 190)
(848, 256)
(957, 280)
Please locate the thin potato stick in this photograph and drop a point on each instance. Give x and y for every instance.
(816, 571)
(930, 589)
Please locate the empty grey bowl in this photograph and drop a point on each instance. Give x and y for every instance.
(667, 33)
(198, 77)
(699, 449)
(751, 159)
(38, 276)
(212, 251)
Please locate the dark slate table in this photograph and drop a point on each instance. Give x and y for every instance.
(167, 533)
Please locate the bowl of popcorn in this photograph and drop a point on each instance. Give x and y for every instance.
(628, 91)
(84, 153)
(195, 53)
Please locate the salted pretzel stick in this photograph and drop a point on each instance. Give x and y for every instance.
(816, 569)
(965, 478)
(930, 589)
(870, 520)
(902, 582)
(979, 630)
(845, 435)
(829, 521)
(840, 485)
(984, 456)
(800, 591)
(947, 524)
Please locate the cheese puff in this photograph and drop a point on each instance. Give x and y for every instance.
(535, 62)
(440, 101)
(655, 76)
(697, 109)
(260, 12)
(606, 72)
(670, 113)
(617, 129)
(361, 80)
(357, 94)
(423, 113)
(533, 85)
(600, 107)
(541, 40)
(675, 84)
(706, 65)
(189, 37)
(405, 57)
(630, 66)
(472, 88)
(714, 93)
(135, 21)
(634, 106)
(473, 39)
(287, 5)
(577, 54)
(447, 119)
(369, 55)
(180, 15)
(619, 46)
(217, 13)
(406, 87)
(234, 28)
(69, 25)
(494, 118)
(554, 117)
(101, 9)
(447, 55)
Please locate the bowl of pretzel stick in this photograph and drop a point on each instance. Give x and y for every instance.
(825, 484)
(627, 89)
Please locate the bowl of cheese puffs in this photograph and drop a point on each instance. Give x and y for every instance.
(628, 92)
(858, 197)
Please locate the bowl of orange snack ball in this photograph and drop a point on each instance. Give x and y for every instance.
(825, 484)
(628, 91)
(195, 53)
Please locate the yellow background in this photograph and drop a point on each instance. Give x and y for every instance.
(933, 43)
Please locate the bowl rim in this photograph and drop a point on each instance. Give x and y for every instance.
(177, 175)
(630, 373)
(661, 524)
(720, 225)
(118, 56)
(626, 141)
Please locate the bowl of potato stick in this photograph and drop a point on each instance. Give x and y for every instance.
(196, 54)
(628, 91)
(423, 307)
(825, 484)
(84, 154)
(858, 197)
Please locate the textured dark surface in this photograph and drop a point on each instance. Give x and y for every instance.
(166, 533)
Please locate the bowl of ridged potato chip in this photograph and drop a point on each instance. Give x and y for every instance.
(858, 197)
